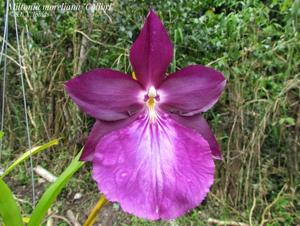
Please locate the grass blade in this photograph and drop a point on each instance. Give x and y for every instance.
(53, 191)
(9, 209)
(26, 155)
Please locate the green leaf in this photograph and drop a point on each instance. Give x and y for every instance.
(53, 191)
(26, 155)
(9, 210)
(1, 134)
(288, 121)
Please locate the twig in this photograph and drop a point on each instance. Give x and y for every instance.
(72, 218)
(252, 208)
(50, 219)
(42, 172)
(219, 222)
(82, 54)
(263, 220)
(62, 218)
(99, 43)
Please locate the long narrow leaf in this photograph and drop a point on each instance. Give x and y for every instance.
(26, 155)
(1, 134)
(9, 210)
(53, 191)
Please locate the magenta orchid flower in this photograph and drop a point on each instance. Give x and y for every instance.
(151, 149)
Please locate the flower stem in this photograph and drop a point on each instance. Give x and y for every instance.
(92, 216)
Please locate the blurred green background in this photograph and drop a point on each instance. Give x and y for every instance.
(256, 44)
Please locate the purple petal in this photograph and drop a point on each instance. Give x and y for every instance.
(152, 52)
(198, 123)
(154, 170)
(106, 94)
(191, 90)
(100, 129)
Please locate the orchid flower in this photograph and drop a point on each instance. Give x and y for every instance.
(151, 150)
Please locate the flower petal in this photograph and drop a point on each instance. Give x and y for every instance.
(105, 94)
(152, 52)
(100, 129)
(191, 90)
(199, 123)
(154, 170)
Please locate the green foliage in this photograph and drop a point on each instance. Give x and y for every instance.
(53, 191)
(9, 210)
(1, 135)
(254, 43)
(27, 154)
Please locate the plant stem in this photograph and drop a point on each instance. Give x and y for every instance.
(92, 217)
